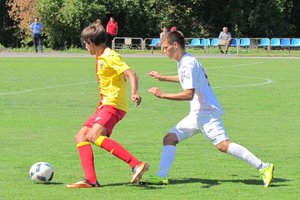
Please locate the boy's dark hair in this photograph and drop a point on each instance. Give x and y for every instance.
(176, 36)
(94, 34)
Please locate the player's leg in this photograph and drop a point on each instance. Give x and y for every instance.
(214, 129)
(87, 160)
(99, 134)
(240, 152)
(265, 169)
(184, 129)
(168, 154)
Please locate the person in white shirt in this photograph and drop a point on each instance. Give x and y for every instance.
(204, 116)
(224, 39)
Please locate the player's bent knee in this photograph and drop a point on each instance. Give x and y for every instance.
(79, 137)
(170, 139)
(92, 137)
(223, 146)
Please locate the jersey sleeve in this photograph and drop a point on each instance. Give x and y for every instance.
(189, 76)
(118, 64)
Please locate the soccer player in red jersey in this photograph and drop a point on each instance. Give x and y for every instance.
(112, 73)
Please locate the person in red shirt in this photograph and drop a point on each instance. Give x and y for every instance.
(112, 30)
(173, 28)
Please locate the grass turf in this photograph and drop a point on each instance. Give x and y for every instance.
(44, 101)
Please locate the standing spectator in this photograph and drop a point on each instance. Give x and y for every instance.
(112, 30)
(224, 39)
(163, 33)
(36, 28)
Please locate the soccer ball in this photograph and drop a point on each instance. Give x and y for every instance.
(41, 172)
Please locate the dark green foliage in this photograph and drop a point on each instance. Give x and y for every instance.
(64, 19)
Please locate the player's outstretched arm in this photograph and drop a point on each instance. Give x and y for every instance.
(160, 77)
(135, 97)
(185, 95)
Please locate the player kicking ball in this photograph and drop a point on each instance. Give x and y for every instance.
(112, 73)
(204, 116)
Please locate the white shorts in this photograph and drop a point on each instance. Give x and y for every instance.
(210, 125)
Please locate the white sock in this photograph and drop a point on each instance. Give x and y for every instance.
(166, 160)
(244, 154)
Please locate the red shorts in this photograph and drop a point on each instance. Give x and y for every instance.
(107, 116)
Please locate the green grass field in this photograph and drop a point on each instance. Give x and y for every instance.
(44, 101)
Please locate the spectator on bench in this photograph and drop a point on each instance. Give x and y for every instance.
(224, 39)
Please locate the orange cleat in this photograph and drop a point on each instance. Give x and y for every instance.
(138, 172)
(83, 184)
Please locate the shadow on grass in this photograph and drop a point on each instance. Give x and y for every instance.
(208, 183)
(213, 182)
(115, 184)
(53, 183)
(148, 187)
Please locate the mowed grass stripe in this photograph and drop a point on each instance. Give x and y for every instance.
(40, 126)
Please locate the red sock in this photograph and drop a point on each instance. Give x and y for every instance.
(87, 161)
(117, 150)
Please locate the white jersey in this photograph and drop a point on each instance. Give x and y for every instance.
(192, 76)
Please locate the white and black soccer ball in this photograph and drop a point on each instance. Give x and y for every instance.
(41, 172)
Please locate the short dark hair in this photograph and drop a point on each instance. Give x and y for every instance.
(94, 34)
(175, 36)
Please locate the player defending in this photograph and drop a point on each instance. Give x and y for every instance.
(204, 116)
(112, 72)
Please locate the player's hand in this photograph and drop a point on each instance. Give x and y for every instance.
(155, 74)
(155, 91)
(136, 99)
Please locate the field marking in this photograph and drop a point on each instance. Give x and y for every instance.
(266, 81)
(225, 66)
(237, 65)
(45, 88)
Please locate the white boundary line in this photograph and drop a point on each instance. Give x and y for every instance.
(266, 81)
(237, 65)
(45, 88)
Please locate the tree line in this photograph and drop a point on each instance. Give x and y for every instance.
(64, 19)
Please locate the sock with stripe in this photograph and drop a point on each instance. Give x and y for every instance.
(87, 161)
(117, 150)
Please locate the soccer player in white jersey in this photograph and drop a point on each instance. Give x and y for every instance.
(204, 116)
